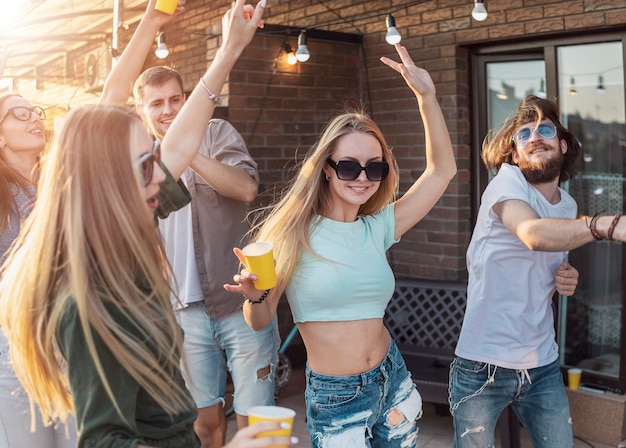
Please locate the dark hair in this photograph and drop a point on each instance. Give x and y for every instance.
(498, 148)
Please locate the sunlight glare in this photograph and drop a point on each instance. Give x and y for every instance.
(12, 11)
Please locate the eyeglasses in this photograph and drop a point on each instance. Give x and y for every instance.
(146, 162)
(545, 130)
(350, 170)
(24, 113)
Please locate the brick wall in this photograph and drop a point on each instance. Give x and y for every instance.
(280, 109)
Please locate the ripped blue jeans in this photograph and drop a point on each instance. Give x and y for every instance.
(378, 408)
(479, 392)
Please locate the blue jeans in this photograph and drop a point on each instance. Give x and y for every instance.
(479, 392)
(214, 346)
(378, 408)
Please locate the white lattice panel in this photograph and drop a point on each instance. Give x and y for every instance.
(596, 192)
(605, 323)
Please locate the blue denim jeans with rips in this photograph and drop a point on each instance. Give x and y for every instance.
(479, 392)
(378, 408)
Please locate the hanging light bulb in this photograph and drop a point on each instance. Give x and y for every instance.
(479, 12)
(572, 87)
(502, 95)
(291, 57)
(302, 53)
(393, 36)
(161, 51)
(600, 89)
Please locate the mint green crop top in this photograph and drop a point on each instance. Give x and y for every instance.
(353, 279)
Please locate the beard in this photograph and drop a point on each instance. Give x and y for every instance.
(543, 171)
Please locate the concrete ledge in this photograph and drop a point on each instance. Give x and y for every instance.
(599, 417)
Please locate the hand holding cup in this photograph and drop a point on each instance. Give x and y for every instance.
(259, 260)
(277, 414)
(259, 273)
(166, 6)
(250, 436)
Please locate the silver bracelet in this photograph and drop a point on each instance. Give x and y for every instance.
(213, 97)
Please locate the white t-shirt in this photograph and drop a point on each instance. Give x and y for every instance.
(177, 237)
(509, 321)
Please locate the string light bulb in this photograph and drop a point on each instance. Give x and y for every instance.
(302, 53)
(479, 13)
(291, 56)
(600, 89)
(161, 51)
(502, 94)
(393, 36)
(572, 87)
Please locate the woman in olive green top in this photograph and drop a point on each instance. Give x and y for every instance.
(85, 294)
(87, 276)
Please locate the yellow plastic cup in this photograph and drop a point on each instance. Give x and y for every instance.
(573, 378)
(258, 414)
(260, 261)
(166, 6)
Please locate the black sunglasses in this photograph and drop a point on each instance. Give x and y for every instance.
(146, 162)
(350, 170)
(24, 113)
(545, 130)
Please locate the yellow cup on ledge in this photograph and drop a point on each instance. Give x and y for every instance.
(259, 258)
(258, 414)
(573, 378)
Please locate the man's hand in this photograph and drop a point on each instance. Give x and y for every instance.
(566, 279)
(159, 18)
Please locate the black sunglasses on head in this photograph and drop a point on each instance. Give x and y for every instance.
(350, 170)
(24, 113)
(146, 162)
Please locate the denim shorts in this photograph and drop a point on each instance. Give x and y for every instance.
(479, 392)
(214, 347)
(378, 408)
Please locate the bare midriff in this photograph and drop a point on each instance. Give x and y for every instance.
(345, 347)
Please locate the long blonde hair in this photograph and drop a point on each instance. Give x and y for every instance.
(288, 221)
(89, 239)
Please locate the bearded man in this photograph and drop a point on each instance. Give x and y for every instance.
(507, 353)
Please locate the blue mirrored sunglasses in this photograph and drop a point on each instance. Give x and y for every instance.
(545, 130)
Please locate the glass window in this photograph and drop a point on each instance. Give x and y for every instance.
(591, 97)
(508, 83)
